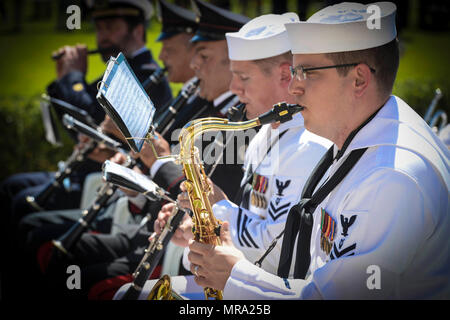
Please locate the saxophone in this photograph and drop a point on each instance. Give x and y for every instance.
(206, 228)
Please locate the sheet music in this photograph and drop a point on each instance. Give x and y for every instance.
(128, 175)
(123, 91)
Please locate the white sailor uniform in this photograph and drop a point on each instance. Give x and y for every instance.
(278, 179)
(391, 217)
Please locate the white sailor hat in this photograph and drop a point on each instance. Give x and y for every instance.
(261, 37)
(347, 26)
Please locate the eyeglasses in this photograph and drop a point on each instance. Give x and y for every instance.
(300, 72)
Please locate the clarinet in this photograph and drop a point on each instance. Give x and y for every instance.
(153, 254)
(78, 157)
(66, 242)
(72, 163)
(154, 79)
(166, 118)
(75, 160)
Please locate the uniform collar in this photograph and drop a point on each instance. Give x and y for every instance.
(297, 121)
(224, 102)
(138, 52)
(140, 57)
(396, 124)
(217, 101)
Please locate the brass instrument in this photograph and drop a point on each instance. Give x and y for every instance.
(206, 228)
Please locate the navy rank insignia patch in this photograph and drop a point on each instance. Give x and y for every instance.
(328, 231)
(281, 186)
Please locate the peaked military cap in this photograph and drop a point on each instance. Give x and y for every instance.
(101, 9)
(174, 20)
(214, 22)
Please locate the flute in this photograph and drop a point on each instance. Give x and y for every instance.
(58, 55)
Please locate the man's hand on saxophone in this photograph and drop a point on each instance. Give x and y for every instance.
(212, 264)
(214, 196)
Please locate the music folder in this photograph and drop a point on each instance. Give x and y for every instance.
(92, 133)
(62, 107)
(50, 127)
(124, 99)
(130, 179)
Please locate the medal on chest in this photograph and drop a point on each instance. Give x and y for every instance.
(327, 231)
(259, 188)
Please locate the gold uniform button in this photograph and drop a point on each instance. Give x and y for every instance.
(78, 87)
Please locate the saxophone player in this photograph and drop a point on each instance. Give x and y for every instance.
(374, 217)
(273, 179)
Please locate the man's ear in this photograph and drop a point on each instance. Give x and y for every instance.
(362, 78)
(138, 32)
(285, 73)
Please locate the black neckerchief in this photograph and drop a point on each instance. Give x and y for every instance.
(300, 217)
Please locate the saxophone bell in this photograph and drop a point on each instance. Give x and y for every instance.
(162, 290)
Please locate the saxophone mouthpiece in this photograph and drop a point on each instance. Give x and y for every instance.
(236, 113)
(281, 112)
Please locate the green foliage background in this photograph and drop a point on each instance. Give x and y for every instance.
(26, 70)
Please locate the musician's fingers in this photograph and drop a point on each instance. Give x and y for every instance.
(202, 282)
(82, 48)
(183, 200)
(118, 158)
(200, 249)
(183, 196)
(153, 235)
(167, 207)
(69, 53)
(194, 257)
(157, 226)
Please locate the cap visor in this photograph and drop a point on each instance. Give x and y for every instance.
(165, 35)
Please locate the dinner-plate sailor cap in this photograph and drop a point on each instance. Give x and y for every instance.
(347, 26)
(262, 37)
